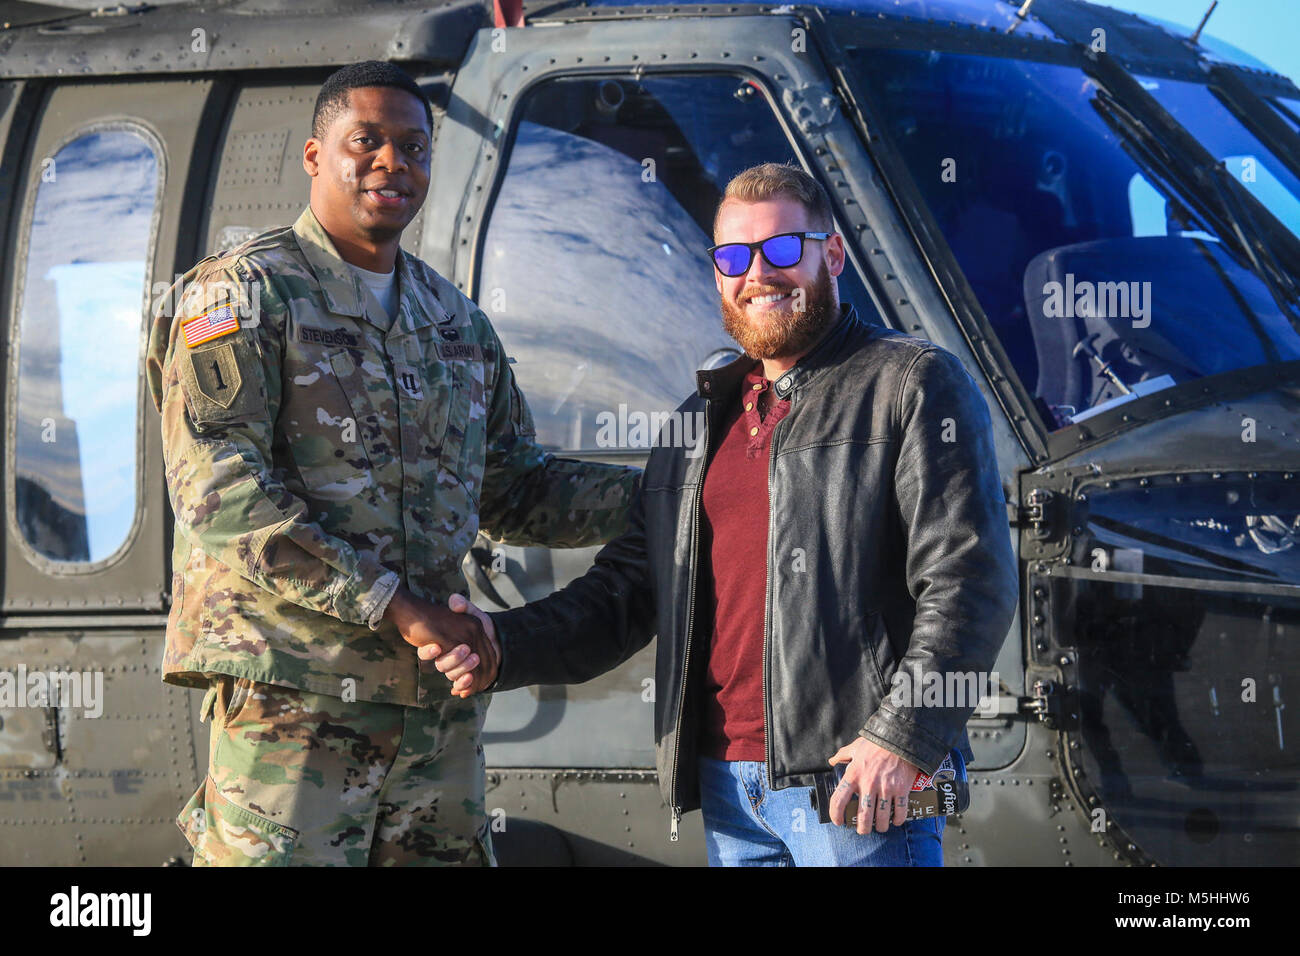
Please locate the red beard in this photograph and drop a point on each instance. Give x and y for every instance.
(786, 332)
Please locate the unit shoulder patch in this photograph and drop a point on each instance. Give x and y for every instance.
(216, 374)
(214, 385)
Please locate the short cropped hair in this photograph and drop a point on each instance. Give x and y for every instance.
(333, 96)
(772, 180)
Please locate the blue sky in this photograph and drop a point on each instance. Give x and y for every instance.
(1268, 30)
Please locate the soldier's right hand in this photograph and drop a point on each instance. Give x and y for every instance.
(459, 664)
(435, 628)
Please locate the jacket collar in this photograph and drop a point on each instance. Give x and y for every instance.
(718, 382)
(341, 286)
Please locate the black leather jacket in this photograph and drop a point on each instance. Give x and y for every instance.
(888, 546)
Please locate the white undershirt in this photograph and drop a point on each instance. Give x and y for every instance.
(383, 286)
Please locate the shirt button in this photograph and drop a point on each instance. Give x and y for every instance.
(749, 406)
(753, 431)
(758, 386)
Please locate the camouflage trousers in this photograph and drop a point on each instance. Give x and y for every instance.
(302, 779)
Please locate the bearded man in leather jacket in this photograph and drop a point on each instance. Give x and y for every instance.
(844, 528)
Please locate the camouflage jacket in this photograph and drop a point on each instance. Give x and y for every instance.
(315, 457)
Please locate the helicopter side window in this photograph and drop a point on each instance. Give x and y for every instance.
(594, 268)
(1099, 286)
(1187, 755)
(80, 322)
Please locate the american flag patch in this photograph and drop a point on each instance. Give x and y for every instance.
(212, 323)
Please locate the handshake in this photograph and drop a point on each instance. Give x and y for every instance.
(459, 638)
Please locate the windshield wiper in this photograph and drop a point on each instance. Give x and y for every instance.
(1259, 119)
(1177, 162)
(1280, 284)
(1231, 221)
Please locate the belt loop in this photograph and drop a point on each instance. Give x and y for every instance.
(209, 700)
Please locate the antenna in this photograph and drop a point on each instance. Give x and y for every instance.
(1197, 35)
(1023, 13)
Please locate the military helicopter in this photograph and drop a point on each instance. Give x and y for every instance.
(1097, 213)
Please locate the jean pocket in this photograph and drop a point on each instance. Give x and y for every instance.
(225, 834)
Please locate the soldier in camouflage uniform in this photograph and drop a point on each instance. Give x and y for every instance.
(329, 466)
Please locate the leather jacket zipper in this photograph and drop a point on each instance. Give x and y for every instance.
(690, 627)
(767, 597)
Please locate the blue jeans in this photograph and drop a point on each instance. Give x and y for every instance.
(746, 824)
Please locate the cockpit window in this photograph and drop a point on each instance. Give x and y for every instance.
(80, 320)
(1099, 283)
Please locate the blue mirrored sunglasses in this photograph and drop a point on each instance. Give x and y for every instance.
(781, 252)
